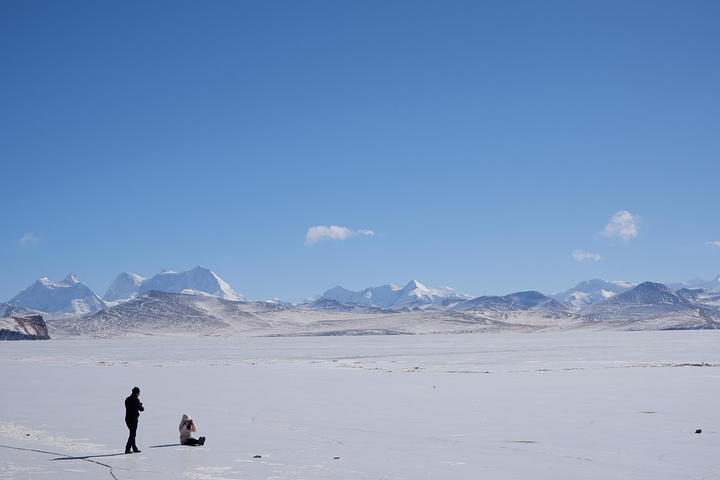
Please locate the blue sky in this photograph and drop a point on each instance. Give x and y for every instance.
(488, 146)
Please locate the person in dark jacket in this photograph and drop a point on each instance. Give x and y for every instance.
(133, 407)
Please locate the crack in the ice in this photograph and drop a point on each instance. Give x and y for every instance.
(65, 457)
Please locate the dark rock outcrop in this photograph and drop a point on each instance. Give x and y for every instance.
(30, 327)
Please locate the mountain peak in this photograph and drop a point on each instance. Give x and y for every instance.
(652, 286)
(71, 279)
(336, 289)
(414, 285)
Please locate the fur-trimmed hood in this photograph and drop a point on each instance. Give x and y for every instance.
(186, 427)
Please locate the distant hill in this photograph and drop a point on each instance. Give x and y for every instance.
(329, 304)
(520, 301)
(646, 300)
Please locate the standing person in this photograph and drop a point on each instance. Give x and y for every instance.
(187, 427)
(133, 407)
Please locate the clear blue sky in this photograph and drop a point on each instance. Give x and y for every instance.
(480, 145)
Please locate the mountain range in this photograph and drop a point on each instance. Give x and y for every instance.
(73, 297)
(412, 295)
(199, 300)
(178, 315)
(158, 313)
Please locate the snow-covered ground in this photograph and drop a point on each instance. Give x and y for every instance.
(575, 405)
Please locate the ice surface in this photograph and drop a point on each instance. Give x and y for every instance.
(578, 405)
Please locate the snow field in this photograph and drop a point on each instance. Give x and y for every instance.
(576, 405)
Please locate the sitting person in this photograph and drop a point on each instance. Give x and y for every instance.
(187, 427)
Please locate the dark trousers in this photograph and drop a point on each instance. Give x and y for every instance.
(191, 441)
(132, 426)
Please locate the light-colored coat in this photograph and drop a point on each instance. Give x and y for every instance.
(187, 427)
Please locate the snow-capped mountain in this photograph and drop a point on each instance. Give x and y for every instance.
(646, 300)
(391, 296)
(125, 287)
(711, 285)
(591, 291)
(514, 302)
(68, 296)
(197, 281)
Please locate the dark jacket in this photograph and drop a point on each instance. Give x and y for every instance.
(133, 407)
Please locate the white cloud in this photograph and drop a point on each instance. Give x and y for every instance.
(580, 256)
(28, 239)
(624, 225)
(333, 232)
(713, 243)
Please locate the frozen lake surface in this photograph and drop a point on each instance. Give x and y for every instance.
(592, 405)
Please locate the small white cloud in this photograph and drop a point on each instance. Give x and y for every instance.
(713, 243)
(28, 239)
(333, 232)
(580, 256)
(624, 225)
